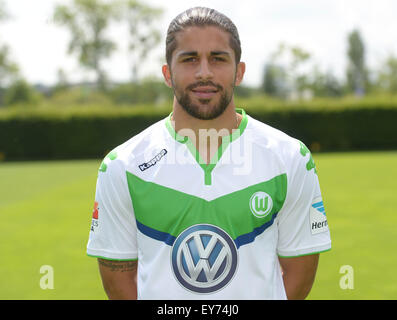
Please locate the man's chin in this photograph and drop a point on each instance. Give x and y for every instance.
(204, 111)
(205, 104)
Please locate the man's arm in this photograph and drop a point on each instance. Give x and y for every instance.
(119, 278)
(298, 275)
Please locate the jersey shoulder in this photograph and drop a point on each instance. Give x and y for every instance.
(273, 140)
(133, 148)
(290, 151)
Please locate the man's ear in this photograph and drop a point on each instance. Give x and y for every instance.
(167, 75)
(239, 73)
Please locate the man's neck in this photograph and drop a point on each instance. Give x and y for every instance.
(206, 135)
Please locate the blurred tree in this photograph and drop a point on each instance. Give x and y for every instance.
(142, 21)
(325, 84)
(290, 60)
(87, 21)
(387, 75)
(8, 69)
(269, 84)
(244, 91)
(20, 92)
(62, 81)
(300, 80)
(357, 73)
(147, 91)
(274, 81)
(79, 96)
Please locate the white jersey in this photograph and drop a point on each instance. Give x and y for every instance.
(210, 231)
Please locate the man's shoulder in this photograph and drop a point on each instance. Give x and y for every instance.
(272, 139)
(134, 147)
(140, 141)
(290, 151)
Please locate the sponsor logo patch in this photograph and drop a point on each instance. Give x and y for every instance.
(204, 258)
(318, 219)
(95, 214)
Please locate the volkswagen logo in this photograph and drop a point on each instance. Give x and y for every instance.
(204, 258)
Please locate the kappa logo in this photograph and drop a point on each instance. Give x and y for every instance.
(204, 258)
(261, 204)
(151, 163)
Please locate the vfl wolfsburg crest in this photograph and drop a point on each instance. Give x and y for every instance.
(261, 204)
(204, 258)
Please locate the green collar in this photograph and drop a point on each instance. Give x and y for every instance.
(226, 140)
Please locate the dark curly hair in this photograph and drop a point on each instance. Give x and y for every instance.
(201, 17)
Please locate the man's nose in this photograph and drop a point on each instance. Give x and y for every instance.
(204, 70)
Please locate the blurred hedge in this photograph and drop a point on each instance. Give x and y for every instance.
(89, 132)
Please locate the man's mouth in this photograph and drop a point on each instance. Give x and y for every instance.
(205, 92)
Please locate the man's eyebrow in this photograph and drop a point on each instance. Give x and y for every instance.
(194, 53)
(218, 53)
(188, 53)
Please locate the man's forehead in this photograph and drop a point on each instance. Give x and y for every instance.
(198, 39)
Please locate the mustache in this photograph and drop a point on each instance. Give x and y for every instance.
(204, 84)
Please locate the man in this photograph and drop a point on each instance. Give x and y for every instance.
(208, 203)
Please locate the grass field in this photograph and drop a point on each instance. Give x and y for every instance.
(46, 208)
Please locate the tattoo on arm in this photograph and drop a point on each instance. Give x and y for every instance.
(120, 266)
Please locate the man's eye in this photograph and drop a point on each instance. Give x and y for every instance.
(219, 59)
(191, 59)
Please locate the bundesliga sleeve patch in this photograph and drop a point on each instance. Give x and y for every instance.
(318, 219)
(95, 214)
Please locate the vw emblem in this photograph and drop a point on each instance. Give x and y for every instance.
(204, 258)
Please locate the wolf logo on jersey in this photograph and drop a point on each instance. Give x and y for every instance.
(261, 204)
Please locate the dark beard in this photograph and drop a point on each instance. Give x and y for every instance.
(194, 110)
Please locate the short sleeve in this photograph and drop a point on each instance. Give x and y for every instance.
(113, 230)
(302, 224)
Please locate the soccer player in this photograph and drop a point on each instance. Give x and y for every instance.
(208, 203)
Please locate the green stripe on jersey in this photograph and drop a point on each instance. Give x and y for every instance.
(172, 211)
